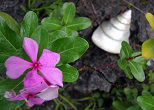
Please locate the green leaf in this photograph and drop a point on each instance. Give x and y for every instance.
(57, 13)
(134, 108)
(140, 59)
(150, 19)
(41, 36)
(29, 24)
(100, 102)
(118, 105)
(128, 73)
(137, 71)
(70, 32)
(69, 48)
(122, 63)
(146, 93)
(70, 74)
(151, 76)
(10, 105)
(126, 49)
(9, 43)
(148, 49)
(51, 23)
(146, 102)
(9, 85)
(122, 54)
(79, 23)
(57, 35)
(68, 10)
(10, 22)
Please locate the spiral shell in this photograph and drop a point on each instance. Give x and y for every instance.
(109, 35)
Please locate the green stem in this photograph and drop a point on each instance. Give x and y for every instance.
(66, 100)
(16, 85)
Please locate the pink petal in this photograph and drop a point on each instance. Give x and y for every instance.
(15, 67)
(52, 75)
(49, 93)
(33, 101)
(37, 88)
(31, 48)
(20, 96)
(49, 59)
(32, 79)
(8, 94)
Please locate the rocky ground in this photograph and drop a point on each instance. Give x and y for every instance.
(98, 11)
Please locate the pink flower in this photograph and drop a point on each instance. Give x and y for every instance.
(15, 66)
(33, 95)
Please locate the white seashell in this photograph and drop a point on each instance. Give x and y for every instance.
(109, 35)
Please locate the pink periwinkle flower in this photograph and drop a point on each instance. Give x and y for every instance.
(15, 66)
(36, 90)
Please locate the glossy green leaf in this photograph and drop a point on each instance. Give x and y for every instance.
(9, 43)
(151, 76)
(122, 54)
(122, 63)
(146, 93)
(126, 49)
(10, 105)
(69, 48)
(148, 49)
(11, 22)
(29, 24)
(56, 35)
(134, 108)
(100, 102)
(70, 32)
(57, 13)
(128, 73)
(41, 36)
(70, 74)
(9, 85)
(79, 23)
(137, 71)
(150, 19)
(118, 105)
(146, 102)
(68, 10)
(140, 59)
(51, 23)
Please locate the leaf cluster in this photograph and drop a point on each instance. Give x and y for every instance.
(56, 33)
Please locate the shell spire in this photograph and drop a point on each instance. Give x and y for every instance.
(109, 35)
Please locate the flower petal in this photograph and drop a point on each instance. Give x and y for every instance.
(31, 48)
(15, 67)
(8, 94)
(52, 75)
(49, 93)
(49, 59)
(32, 79)
(32, 101)
(21, 96)
(37, 88)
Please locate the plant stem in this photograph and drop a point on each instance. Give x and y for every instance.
(66, 100)
(108, 65)
(134, 6)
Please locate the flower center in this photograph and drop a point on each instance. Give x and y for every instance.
(31, 95)
(36, 65)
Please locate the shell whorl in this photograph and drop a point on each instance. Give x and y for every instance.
(109, 35)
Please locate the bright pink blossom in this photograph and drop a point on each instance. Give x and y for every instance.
(15, 66)
(33, 95)
(36, 90)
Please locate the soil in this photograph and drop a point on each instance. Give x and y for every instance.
(91, 81)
